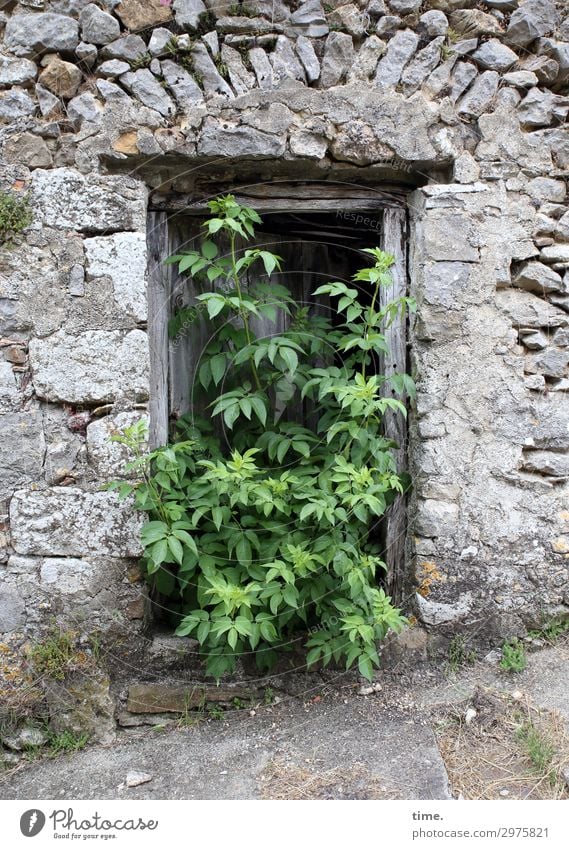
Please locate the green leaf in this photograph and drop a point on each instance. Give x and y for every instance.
(365, 667)
(259, 408)
(209, 249)
(231, 414)
(217, 366)
(184, 537)
(176, 549)
(159, 551)
(243, 551)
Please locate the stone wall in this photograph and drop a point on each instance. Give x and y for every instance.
(101, 103)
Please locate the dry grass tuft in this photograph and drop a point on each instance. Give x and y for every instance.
(283, 780)
(510, 749)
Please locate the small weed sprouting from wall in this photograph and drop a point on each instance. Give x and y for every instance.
(15, 216)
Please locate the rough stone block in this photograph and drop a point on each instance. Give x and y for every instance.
(122, 257)
(220, 139)
(65, 199)
(68, 522)
(22, 449)
(28, 35)
(446, 283)
(96, 365)
(109, 458)
(451, 237)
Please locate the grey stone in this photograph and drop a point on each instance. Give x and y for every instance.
(109, 459)
(440, 79)
(241, 79)
(48, 103)
(451, 236)
(480, 96)
(84, 107)
(87, 53)
(17, 71)
(12, 610)
(211, 40)
(284, 61)
(111, 91)
(311, 18)
(183, 86)
(537, 277)
(187, 12)
(220, 139)
(494, 55)
(212, 81)
(348, 18)
(122, 258)
(535, 341)
(306, 54)
(399, 52)
(421, 66)
(93, 366)
(113, 68)
(527, 310)
(472, 22)
(547, 463)
(440, 613)
(562, 229)
(146, 88)
(159, 39)
(15, 103)
(262, 67)
(539, 108)
(446, 283)
(551, 362)
(530, 20)
(388, 25)
(30, 35)
(404, 7)
(134, 778)
(547, 189)
(433, 23)
(129, 47)
(338, 59)
(76, 285)
(98, 27)
(561, 337)
(555, 253)
(22, 448)
(521, 79)
(308, 145)
(560, 53)
(65, 199)
(27, 149)
(24, 738)
(545, 68)
(366, 59)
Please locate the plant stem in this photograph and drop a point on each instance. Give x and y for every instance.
(243, 312)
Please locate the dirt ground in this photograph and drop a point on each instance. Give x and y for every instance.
(468, 730)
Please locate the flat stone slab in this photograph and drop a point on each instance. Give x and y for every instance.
(327, 750)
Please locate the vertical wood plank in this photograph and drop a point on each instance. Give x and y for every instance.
(158, 315)
(394, 242)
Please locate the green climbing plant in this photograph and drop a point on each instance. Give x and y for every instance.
(262, 529)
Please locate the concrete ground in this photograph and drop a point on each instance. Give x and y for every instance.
(321, 740)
